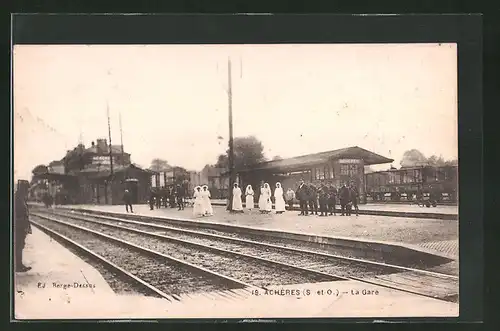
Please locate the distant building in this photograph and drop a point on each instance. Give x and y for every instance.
(100, 154)
(98, 187)
(56, 167)
(216, 181)
(194, 180)
(84, 176)
(341, 166)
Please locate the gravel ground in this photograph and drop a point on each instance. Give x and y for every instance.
(332, 266)
(451, 268)
(170, 279)
(385, 228)
(413, 281)
(245, 269)
(116, 281)
(289, 243)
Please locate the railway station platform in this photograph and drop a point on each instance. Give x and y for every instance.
(52, 263)
(48, 289)
(448, 212)
(434, 236)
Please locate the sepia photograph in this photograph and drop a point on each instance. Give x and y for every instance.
(244, 181)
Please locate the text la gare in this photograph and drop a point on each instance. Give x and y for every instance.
(364, 292)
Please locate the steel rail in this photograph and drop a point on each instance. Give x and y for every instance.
(358, 279)
(228, 280)
(103, 260)
(251, 242)
(218, 250)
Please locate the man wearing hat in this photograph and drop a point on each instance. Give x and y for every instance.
(302, 193)
(127, 198)
(344, 196)
(313, 198)
(179, 192)
(21, 225)
(332, 199)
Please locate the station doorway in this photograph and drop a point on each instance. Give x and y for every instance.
(132, 186)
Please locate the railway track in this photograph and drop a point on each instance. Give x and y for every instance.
(430, 284)
(151, 272)
(252, 270)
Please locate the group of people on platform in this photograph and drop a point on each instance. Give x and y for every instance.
(172, 197)
(265, 203)
(326, 196)
(308, 195)
(202, 205)
(313, 200)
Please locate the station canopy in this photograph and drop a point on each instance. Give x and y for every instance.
(304, 161)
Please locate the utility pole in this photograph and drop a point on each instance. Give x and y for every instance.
(110, 156)
(231, 147)
(121, 137)
(110, 150)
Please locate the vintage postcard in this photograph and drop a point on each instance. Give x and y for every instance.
(235, 181)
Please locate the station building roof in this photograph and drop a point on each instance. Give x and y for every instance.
(54, 176)
(105, 171)
(304, 161)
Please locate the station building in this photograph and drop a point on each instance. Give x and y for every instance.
(337, 167)
(89, 180)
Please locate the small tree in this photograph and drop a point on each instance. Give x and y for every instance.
(39, 170)
(413, 157)
(222, 161)
(159, 165)
(436, 161)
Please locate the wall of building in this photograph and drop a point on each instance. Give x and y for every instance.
(57, 168)
(143, 186)
(194, 180)
(336, 172)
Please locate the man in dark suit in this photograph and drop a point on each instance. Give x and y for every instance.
(157, 200)
(344, 199)
(302, 194)
(21, 225)
(313, 198)
(179, 192)
(354, 198)
(127, 198)
(323, 200)
(332, 199)
(172, 197)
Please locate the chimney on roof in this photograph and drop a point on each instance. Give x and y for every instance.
(102, 146)
(93, 144)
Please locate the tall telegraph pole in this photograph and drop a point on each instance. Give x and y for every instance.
(231, 147)
(110, 150)
(121, 137)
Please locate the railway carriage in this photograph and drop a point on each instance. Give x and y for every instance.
(427, 183)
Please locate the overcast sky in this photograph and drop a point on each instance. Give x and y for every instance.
(297, 99)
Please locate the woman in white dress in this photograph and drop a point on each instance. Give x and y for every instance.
(268, 207)
(279, 200)
(207, 205)
(237, 204)
(262, 199)
(249, 201)
(198, 202)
